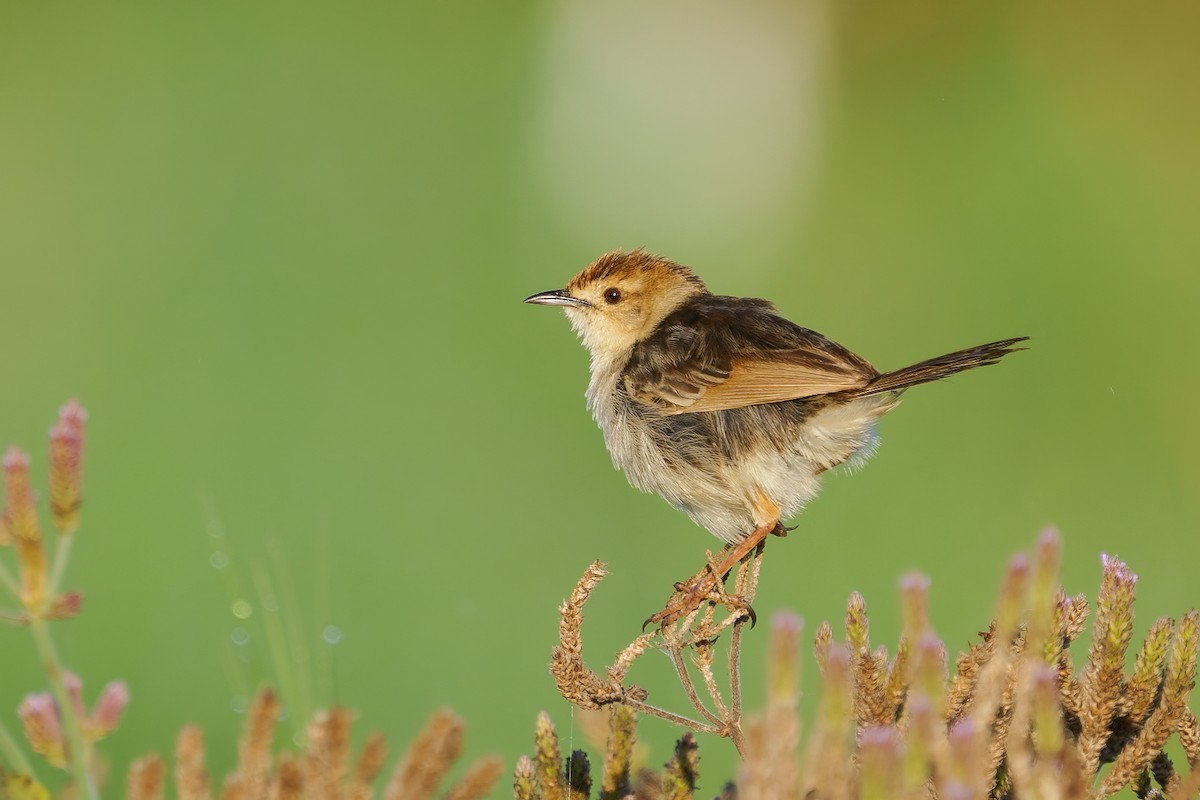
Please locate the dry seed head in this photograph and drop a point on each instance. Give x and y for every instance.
(896, 684)
(254, 747)
(366, 770)
(327, 755)
(1189, 737)
(288, 782)
(821, 643)
(1143, 685)
(857, 625)
(1074, 618)
(1167, 716)
(191, 778)
(578, 684)
(478, 780)
(146, 779)
(429, 758)
(1100, 685)
(1181, 668)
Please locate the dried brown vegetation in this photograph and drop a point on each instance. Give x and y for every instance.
(1012, 719)
(693, 637)
(325, 770)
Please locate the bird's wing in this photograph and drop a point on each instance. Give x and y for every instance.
(731, 355)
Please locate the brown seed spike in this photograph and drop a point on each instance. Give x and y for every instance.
(821, 644)
(1100, 686)
(1189, 737)
(254, 748)
(327, 756)
(147, 779)
(478, 780)
(858, 626)
(1180, 676)
(370, 764)
(1147, 672)
(288, 783)
(191, 779)
(578, 684)
(429, 758)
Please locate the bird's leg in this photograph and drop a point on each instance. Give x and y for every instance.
(703, 585)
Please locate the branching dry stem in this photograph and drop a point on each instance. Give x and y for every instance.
(698, 630)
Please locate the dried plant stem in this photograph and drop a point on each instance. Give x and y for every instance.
(54, 672)
(670, 716)
(689, 687)
(735, 670)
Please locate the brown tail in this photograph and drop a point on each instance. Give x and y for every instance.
(934, 369)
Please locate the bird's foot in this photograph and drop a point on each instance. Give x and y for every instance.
(708, 585)
(689, 595)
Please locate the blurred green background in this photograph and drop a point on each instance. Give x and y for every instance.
(279, 249)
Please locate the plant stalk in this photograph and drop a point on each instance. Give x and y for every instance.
(75, 743)
(13, 753)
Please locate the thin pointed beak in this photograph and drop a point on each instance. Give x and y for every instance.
(557, 297)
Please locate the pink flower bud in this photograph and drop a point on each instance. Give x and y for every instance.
(65, 606)
(43, 730)
(22, 525)
(108, 709)
(66, 467)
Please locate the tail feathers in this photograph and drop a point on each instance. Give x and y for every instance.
(934, 369)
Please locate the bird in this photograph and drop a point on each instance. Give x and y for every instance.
(720, 405)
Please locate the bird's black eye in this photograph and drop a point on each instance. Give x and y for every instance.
(612, 296)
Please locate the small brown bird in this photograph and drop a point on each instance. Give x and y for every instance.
(718, 404)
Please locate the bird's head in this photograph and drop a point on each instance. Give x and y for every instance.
(620, 298)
